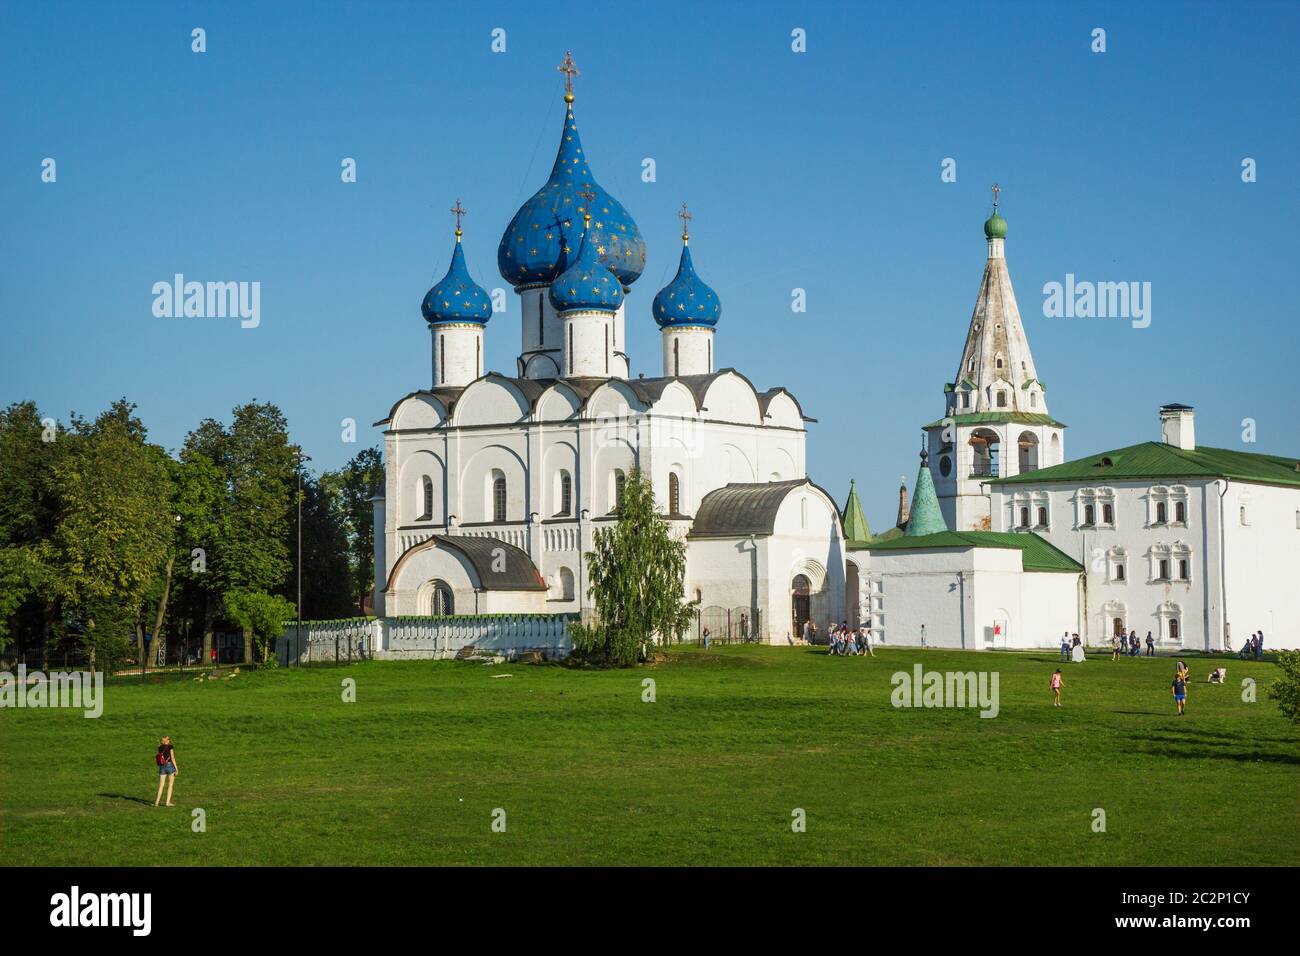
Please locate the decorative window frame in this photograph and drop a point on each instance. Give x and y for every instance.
(1082, 499)
(1116, 558)
(1042, 509)
(1166, 612)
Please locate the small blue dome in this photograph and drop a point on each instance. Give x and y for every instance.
(587, 284)
(541, 240)
(457, 297)
(686, 300)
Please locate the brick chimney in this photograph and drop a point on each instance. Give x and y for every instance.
(1178, 426)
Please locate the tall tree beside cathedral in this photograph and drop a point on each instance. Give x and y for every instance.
(350, 489)
(250, 546)
(636, 573)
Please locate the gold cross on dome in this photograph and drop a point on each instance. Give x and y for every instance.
(458, 211)
(686, 218)
(587, 194)
(996, 189)
(570, 70)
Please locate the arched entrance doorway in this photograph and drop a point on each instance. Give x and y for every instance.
(800, 603)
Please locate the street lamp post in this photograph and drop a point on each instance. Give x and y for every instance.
(298, 627)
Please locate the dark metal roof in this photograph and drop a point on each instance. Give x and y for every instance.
(518, 574)
(741, 509)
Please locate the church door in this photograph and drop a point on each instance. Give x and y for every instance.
(800, 603)
(1117, 627)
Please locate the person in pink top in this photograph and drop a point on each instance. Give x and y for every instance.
(1056, 688)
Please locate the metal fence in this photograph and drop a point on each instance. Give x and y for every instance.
(726, 625)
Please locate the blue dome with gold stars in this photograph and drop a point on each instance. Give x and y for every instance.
(542, 239)
(587, 285)
(457, 297)
(686, 300)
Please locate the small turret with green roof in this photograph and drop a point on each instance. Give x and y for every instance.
(855, 522)
(926, 518)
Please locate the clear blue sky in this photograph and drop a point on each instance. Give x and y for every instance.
(818, 170)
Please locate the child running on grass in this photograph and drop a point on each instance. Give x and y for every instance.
(1180, 692)
(1056, 688)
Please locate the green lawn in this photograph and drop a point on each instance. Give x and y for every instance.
(589, 774)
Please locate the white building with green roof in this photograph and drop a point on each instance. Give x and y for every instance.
(1199, 546)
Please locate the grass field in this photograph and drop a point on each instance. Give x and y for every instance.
(709, 773)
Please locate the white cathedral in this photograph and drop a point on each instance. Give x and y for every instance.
(495, 484)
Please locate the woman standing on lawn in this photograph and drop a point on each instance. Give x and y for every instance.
(167, 769)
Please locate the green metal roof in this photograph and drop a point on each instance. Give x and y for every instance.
(1036, 553)
(998, 418)
(855, 522)
(925, 516)
(1154, 459)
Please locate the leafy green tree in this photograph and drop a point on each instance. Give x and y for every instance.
(1286, 689)
(31, 594)
(637, 575)
(351, 489)
(327, 576)
(250, 537)
(260, 616)
(115, 525)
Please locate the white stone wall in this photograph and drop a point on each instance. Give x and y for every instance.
(971, 598)
(588, 344)
(1263, 563)
(457, 353)
(688, 350)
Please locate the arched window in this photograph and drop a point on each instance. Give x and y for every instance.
(499, 498)
(1024, 517)
(677, 357)
(1163, 573)
(1174, 633)
(1162, 512)
(1002, 399)
(1108, 514)
(674, 494)
(1042, 517)
(442, 358)
(426, 487)
(620, 480)
(566, 494)
(1089, 514)
(803, 513)
(999, 361)
(1180, 512)
(1184, 571)
(566, 584)
(440, 599)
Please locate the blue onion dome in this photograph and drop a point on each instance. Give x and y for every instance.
(686, 300)
(542, 239)
(457, 297)
(587, 284)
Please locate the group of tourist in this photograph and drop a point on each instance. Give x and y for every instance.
(1254, 646)
(1130, 645)
(1071, 647)
(848, 642)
